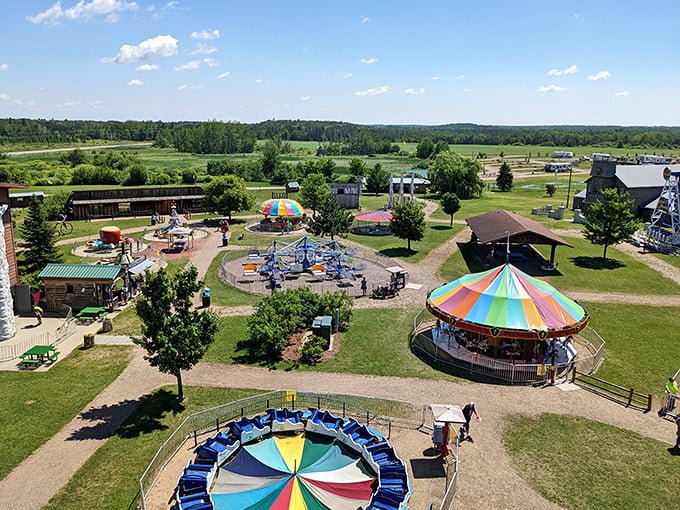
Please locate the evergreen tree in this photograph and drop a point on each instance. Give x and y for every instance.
(38, 240)
(610, 220)
(408, 222)
(174, 336)
(504, 177)
(378, 179)
(332, 218)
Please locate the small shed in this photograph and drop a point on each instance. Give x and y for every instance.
(78, 285)
(292, 187)
(322, 326)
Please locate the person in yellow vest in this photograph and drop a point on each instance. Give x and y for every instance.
(671, 391)
(38, 312)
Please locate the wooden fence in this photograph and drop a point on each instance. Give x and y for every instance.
(627, 396)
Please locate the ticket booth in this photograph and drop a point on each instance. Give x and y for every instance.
(398, 276)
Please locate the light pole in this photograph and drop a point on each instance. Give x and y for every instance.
(569, 188)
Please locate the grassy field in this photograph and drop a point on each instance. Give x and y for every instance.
(586, 465)
(109, 480)
(35, 406)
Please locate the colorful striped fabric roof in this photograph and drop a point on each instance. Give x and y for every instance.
(504, 301)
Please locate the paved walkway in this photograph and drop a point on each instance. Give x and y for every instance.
(486, 459)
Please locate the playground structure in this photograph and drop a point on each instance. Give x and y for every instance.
(318, 257)
(295, 459)
(662, 234)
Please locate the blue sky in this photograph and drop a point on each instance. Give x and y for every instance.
(523, 62)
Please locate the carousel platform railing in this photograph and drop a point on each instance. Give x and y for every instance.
(449, 353)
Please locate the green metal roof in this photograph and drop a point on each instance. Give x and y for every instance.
(80, 271)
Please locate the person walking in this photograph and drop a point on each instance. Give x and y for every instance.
(467, 413)
(364, 286)
(671, 394)
(38, 312)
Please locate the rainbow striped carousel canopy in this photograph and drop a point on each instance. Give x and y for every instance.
(504, 301)
(280, 207)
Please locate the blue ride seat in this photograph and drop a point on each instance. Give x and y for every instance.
(285, 419)
(198, 501)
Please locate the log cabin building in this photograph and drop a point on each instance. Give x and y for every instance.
(78, 285)
(9, 232)
(110, 203)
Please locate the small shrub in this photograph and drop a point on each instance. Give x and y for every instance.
(312, 349)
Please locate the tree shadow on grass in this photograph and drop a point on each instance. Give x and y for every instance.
(128, 418)
(401, 252)
(596, 263)
(441, 227)
(471, 258)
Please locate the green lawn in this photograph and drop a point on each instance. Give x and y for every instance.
(586, 465)
(641, 344)
(36, 405)
(391, 246)
(373, 336)
(110, 478)
(582, 268)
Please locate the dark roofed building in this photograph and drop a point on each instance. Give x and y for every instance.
(503, 226)
(642, 182)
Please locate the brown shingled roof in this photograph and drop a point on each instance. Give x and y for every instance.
(495, 226)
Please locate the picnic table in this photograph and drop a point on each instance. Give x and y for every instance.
(39, 354)
(91, 313)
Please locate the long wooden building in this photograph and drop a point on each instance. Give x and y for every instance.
(9, 233)
(103, 203)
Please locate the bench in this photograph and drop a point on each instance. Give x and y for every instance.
(31, 361)
(54, 356)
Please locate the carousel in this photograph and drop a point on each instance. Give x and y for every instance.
(503, 323)
(281, 215)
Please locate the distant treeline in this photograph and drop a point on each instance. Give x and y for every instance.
(215, 137)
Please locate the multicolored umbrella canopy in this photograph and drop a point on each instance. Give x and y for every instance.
(280, 207)
(375, 217)
(294, 473)
(506, 302)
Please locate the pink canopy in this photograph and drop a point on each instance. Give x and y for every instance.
(375, 217)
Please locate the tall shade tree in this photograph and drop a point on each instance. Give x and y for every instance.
(408, 222)
(452, 173)
(610, 220)
(37, 234)
(174, 336)
(271, 159)
(378, 179)
(313, 190)
(226, 194)
(504, 177)
(332, 218)
(450, 205)
(357, 167)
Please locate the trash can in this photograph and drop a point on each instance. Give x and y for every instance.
(88, 340)
(107, 325)
(206, 297)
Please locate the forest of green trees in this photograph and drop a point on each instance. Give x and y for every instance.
(214, 137)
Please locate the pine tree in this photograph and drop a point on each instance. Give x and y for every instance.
(504, 178)
(38, 240)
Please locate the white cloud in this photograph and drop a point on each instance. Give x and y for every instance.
(373, 92)
(435, 78)
(83, 12)
(148, 67)
(159, 46)
(368, 60)
(207, 35)
(204, 49)
(414, 92)
(210, 62)
(460, 77)
(135, 83)
(259, 80)
(602, 75)
(4, 97)
(364, 20)
(223, 75)
(551, 88)
(68, 104)
(189, 66)
(4, 67)
(622, 93)
(559, 72)
(305, 98)
(347, 75)
(190, 87)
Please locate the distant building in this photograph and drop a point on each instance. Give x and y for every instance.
(563, 154)
(21, 200)
(420, 184)
(557, 167)
(642, 182)
(648, 159)
(347, 194)
(103, 203)
(600, 156)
